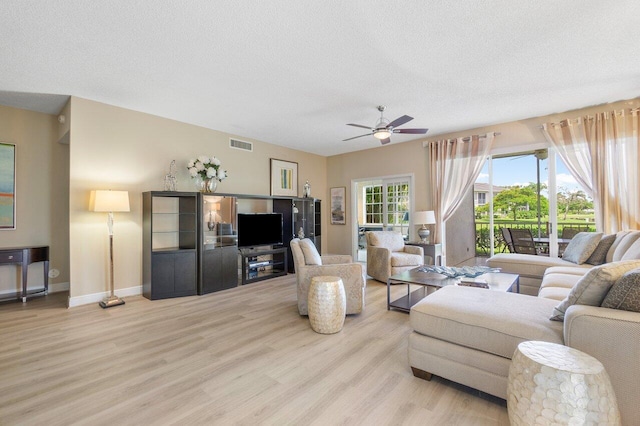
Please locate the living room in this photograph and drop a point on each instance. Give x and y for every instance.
(95, 142)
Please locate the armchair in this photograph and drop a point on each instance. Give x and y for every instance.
(309, 264)
(387, 255)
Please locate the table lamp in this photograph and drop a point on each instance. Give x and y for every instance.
(424, 217)
(110, 202)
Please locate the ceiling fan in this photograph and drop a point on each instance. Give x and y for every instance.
(383, 128)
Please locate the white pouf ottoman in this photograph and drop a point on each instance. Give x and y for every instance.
(556, 384)
(327, 304)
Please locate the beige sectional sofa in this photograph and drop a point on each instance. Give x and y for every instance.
(469, 335)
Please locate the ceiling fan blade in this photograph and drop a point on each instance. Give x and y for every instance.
(414, 131)
(400, 121)
(385, 141)
(359, 125)
(356, 137)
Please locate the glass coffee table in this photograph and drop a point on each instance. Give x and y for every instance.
(496, 281)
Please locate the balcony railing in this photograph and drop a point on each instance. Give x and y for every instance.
(483, 244)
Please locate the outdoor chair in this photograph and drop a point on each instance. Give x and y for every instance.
(506, 236)
(522, 241)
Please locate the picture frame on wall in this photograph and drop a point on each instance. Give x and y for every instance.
(284, 178)
(338, 206)
(7, 186)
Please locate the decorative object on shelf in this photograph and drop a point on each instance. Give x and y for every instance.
(207, 172)
(465, 271)
(556, 384)
(170, 180)
(110, 202)
(284, 178)
(301, 233)
(338, 213)
(213, 211)
(306, 192)
(7, 186)
(424, 218)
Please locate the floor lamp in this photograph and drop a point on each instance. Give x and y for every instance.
(110, 201)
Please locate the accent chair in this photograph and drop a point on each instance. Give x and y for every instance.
(308, 264)
(387, 255)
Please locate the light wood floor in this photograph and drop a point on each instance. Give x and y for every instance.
(242, 356)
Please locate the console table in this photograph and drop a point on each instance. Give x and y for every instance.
(24, 256)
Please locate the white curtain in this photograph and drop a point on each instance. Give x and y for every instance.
(601, 152)
(455, 166)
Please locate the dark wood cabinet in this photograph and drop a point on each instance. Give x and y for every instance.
(301, 216)
(219, 269)
(170, 254)
(173, 274)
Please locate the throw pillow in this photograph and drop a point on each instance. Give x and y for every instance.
(310, 252)
(594, 286)
(599, 255)
(632, 252)
(625, 293)
(581, 247)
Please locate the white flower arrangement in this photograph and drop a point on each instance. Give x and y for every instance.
(206, 168)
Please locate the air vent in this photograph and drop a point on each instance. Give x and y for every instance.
(245, 146)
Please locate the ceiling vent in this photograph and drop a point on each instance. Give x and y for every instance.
(237, 144)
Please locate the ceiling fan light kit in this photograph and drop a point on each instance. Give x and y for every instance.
(384, 129)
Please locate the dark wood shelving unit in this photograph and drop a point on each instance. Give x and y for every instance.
(170, 252)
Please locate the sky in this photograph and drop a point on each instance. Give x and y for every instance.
(511, 171)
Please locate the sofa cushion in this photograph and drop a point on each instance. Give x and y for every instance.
(581, 247)
(599, 255)
(624, 240)
(558, 285)
(594, 286)
(310, 252)
(406, 259)
(487, 320)
(560, 280)
(625, 293)
(527, 265)
(555, 293)
(571, 270)
(633, 252)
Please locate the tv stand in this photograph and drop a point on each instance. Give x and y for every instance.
(263, 263)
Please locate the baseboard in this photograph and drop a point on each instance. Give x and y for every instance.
(97, 297)
(53, 288)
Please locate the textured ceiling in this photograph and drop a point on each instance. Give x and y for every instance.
(293, 73)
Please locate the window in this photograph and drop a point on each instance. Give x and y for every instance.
(395, 202)
(482, 198)
(373, 203)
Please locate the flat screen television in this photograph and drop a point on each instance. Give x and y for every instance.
(259, 229)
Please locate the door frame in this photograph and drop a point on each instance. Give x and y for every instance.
(353, 203)
(551, 188)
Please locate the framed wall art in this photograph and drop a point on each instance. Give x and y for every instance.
(284, 178)
(7, 186)
(338, 209)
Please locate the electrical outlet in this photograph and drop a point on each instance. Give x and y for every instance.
(53, 273)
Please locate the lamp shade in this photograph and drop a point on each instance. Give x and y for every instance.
(424, 217)
(109, 201)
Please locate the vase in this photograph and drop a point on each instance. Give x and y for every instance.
(208, 185)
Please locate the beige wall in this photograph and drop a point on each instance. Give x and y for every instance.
(120, 149)
(411, 157)
(41, 195)
(116, 148)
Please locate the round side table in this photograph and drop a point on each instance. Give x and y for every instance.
(555, 384)
(327, 304)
